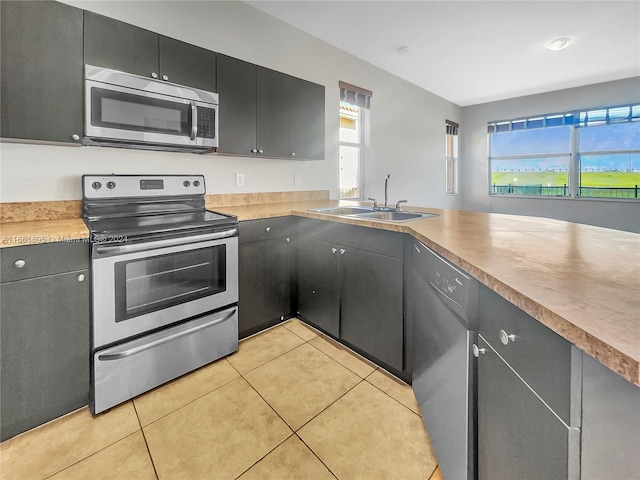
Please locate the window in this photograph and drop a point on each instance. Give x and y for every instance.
(353, 103)
(591, 153)
(351, 139)
(451, 157)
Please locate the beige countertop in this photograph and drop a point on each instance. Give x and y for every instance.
(583, 282)
(14, 234)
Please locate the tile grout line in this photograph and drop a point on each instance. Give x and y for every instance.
(265, 455)
(191, 401)
(315, 454)
(340, 363)
(388, 394)
(146, 444)
(274, 358)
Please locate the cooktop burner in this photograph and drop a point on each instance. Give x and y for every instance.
(133, 207)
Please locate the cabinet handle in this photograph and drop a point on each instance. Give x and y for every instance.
(288, 240)
(417, 249)
(75, 137)
(268, 229)
(334, 250)
(293, 154)
(154, 75)
(20, 263)
(505, 337)
(165, 77)
(260, 151)
(254, 150)
(478, 351)
(342, 250)
(81, 277)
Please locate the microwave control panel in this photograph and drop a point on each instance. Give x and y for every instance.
(206, 122)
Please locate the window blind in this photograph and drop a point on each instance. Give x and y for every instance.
(578, 118)
(355, 95)
(451, 127)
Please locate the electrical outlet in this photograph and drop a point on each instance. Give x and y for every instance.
(239, 179)
(297, 179)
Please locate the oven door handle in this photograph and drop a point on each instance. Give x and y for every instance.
(141, 348)
(138, 247)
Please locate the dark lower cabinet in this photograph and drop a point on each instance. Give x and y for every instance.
(371, 308)
(265, 265)
(44, 336)
(319, 284)
(519, 437)
(41, 71)
(350, 285)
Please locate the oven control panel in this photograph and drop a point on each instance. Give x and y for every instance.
(116, 186)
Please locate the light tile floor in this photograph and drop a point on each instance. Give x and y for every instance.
(290, 404)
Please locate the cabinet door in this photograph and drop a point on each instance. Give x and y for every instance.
(45, 349)
(265, 283)
(272, 113)
(371, 304)
(518, 436)
(319, 284)
(237, 90)
(41, 71)
(117, 45)
(187, 64)
(307, 106)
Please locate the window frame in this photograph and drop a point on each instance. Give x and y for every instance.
(360, 144)
(573, 168)
(451, 158)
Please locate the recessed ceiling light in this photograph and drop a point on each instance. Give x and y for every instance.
(558, 44)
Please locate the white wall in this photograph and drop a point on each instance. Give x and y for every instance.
(622, 215)
(407, 123)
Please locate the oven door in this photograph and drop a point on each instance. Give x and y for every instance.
(141, 287)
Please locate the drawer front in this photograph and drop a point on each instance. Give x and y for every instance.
(369, 239)
(30, 261)
(540, 356)
(264, 228)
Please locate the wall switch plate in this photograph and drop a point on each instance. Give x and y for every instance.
(297, 179)
(239, 179)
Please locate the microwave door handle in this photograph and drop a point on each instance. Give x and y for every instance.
(194, 120)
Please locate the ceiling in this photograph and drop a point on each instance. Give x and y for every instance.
(471, 52)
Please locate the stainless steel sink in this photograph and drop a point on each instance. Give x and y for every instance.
(344, 210)
(395, 216)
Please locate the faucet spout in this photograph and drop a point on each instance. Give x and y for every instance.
(386, 184)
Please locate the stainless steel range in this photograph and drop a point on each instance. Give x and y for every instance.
(164, 274)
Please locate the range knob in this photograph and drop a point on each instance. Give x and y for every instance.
(196, 183)
(186, 183)
(111, 185)
(96, 185)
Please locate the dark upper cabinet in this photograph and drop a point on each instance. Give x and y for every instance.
(237, 109)
(272, 113)
(306, 113)
(187, 64)
(41, 71)
(120, 46)
(117, 45)
(268, 113)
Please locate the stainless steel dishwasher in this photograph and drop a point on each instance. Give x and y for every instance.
(445, 325)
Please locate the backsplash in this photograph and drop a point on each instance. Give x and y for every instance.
(56, 210)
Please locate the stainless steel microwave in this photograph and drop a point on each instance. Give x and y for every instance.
(131, 111)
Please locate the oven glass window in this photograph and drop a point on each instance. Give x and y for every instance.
(150, 284)
(135, 112)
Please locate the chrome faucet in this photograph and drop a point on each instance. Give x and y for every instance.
(386, 207)
(386, 184)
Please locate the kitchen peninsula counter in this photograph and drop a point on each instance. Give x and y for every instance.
(581, 281)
